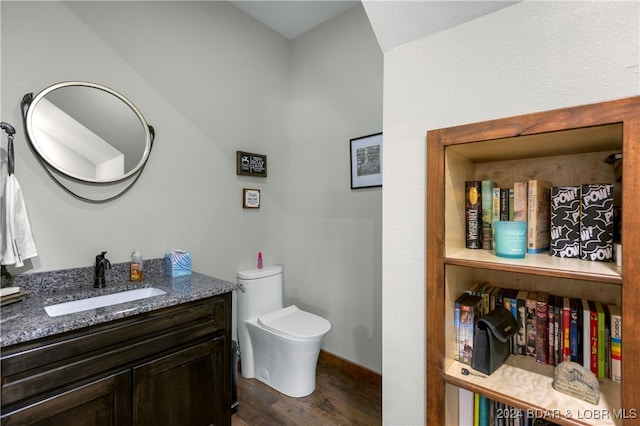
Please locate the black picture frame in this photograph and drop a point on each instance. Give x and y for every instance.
(250, 164)
(366, 161)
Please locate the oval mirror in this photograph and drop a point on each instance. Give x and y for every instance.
(88, 132)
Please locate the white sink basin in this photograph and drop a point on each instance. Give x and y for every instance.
(102, 301)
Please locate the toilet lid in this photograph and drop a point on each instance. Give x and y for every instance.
(295, 323)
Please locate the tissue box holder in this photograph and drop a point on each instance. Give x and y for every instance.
(491, 340)
(177, 264)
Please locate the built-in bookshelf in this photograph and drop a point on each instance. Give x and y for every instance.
(567, 147)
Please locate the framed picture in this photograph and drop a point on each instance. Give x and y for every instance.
(250, 164)
(366, 161)
(250, 198)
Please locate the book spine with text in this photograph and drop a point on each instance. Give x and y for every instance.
(586, 335)
(566, 329)
(532, 299)
(616, 343)
(487, 214)
(593, 335)
(542, 327)
(470, 308)
(557, 325)
(456, 324)
(473, 211)
(511, 206)
(504, 204)
(601, 341)
(495, 204)
(573, 332)
(551, 329)
(520, 197)
(539, 216)
(522, 322)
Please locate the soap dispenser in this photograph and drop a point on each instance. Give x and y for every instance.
(137, 270)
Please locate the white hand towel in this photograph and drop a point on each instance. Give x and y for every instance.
(17, 240)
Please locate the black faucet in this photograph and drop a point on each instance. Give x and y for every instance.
(102, 263)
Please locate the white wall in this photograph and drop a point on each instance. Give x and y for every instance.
(336, 232)
(208, 78)
(528, 57)
(212, 80)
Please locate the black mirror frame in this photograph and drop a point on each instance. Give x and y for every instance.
(29, 102)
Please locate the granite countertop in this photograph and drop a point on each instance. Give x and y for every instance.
(27, 320)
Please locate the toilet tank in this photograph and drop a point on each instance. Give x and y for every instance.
(262, 292)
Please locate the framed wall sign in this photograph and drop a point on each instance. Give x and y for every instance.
(251, 164)
(366, 161)
(250, 198)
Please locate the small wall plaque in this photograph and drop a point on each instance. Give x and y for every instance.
(575, 380)
(250, 198)
(250, 164)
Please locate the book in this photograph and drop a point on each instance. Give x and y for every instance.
(580, 329)
(456, 324)
(522, 322)
(616, 343)
(542, 327)
(512, 297)
(476, 409)
(586, 335)
(495, 204)
(538, 216)
(566, 329)
(465, 406)
(473, 214)
(565, 221)
(483, 411)
(596, 222)
(551, 330)
(520, 197)
(486, 298)
(593, 335)
(511, 207)
(573, 330)
(601, 340)
(531, 324)
(470, 308)
(504, 204)
(487, 214)
(500, 296)
(557, 329)
(607, 341)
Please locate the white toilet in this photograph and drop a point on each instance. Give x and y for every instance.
(278, 346)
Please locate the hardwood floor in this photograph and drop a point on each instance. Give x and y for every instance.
(341, 398)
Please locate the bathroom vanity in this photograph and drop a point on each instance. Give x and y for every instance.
(161, 360)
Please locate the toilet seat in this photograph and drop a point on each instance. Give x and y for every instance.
(293, 322)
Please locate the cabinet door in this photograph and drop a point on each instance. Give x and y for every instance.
(103, 402)
(188, 387)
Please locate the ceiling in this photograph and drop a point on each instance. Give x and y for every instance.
(292, 18)
(395, 22)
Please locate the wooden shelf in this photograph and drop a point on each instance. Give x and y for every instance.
(561, 142)
(539, 264)
(524, 384)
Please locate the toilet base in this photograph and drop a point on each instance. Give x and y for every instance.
(286, 364)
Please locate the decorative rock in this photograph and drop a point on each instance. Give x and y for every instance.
(575, 380)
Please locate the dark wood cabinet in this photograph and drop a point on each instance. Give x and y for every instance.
(165, 367)
(106, 401)
(183, 387)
